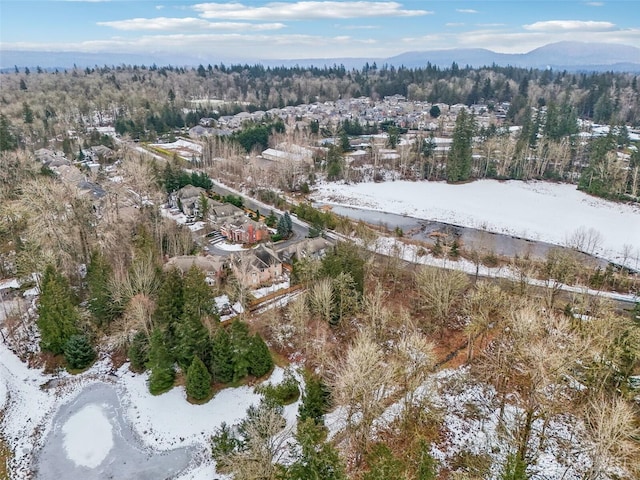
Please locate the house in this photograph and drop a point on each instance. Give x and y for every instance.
(199, 131)
(305, 248)
(211, 265)
(244, 230)
(289, 153)
(102, 153)
(220, 213)
(256, 267)
(187, 199)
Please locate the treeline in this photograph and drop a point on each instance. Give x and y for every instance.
(144, 99)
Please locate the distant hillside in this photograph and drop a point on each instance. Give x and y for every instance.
(561, 55)
(573, 56)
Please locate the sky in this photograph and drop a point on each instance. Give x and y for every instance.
(256, 29)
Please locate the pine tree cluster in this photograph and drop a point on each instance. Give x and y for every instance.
(229, 354)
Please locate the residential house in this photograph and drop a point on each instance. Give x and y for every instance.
(306, 248)
(244, 230)
(256, 267)
(219, 213)
(187, 199)
(211, 265)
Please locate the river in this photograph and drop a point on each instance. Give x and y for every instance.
(469, 239)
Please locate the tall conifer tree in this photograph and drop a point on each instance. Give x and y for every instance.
(57, 315)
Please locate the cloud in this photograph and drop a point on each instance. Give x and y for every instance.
(466, 10)
(454, 24)
(501, 40)
(569, 25)
(168, 24)
(159, 7)
(305, 10)
(357, 27)
(595, 4)
(222, 45)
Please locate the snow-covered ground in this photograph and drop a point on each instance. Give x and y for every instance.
(551, 212)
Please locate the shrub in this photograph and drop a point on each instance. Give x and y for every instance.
(284, 393)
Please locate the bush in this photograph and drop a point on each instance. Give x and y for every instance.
(78, 352)
(285, 393)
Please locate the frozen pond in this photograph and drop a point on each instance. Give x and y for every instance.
(91, 439)
(470, 238)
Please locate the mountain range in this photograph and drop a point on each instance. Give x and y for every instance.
(571, 56)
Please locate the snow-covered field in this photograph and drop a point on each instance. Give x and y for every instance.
(551, 212)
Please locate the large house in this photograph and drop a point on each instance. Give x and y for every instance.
(187, 199)
(256, 267)
(212, 266)
(306, 248)
(244, 230)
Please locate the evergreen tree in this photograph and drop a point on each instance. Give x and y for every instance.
(315, 400)
(7, 140)
(241, 349)
(459, 158)
(139, 352)
(345, 258)
(454, 252)
(78, 352)
(192, 338)
(27, 113)
(198, 380)
(288, 223)
(99, 302)
(260, 361)
(57, 314)
(383, 465)
(160, 363)
(282, 227)
(221, 365)
(315, 459)
(170, 302)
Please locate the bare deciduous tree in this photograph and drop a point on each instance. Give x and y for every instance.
(612, 438)
(361, 382)
(321, 297)
(438, 291)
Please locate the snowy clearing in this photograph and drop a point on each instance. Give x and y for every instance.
(535, 210)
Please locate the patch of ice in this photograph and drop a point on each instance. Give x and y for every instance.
(88, 436)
